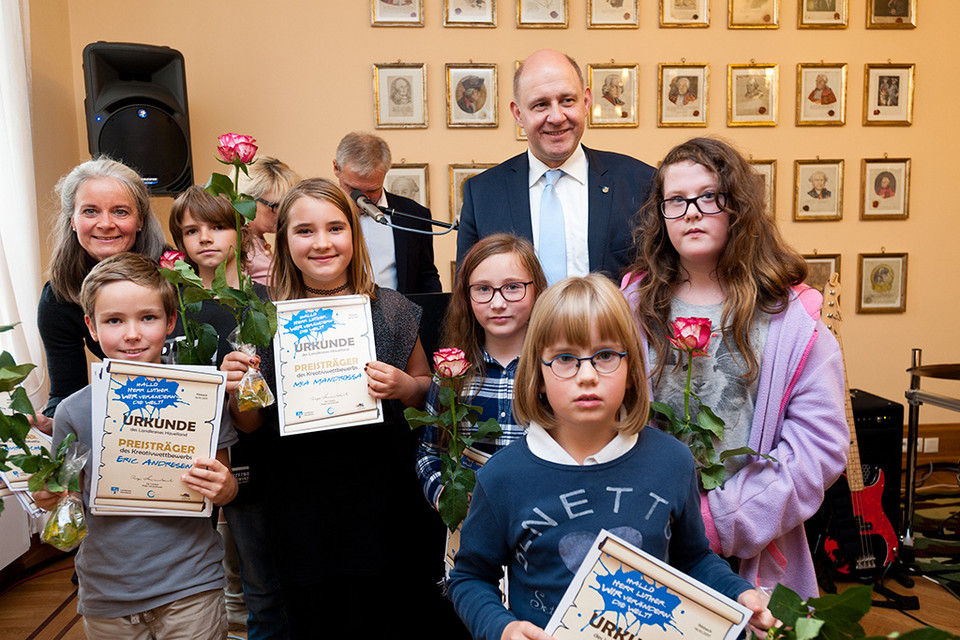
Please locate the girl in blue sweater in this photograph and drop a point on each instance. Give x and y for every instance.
(587, 463)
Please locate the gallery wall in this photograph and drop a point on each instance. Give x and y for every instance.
(297, 75)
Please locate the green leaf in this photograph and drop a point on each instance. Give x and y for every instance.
(219, 184)
(417, 418)
(256, 329)
(246, 208)
(488, 429)
(808, 628)
(20, 401)
(709, 421)
(712, 476)
(664, 409)
(7, 327)
(13, 374)
(786, 605)
(739, 451)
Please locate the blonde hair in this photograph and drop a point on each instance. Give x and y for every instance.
(126, 267)
(567, 311)
(286, 278)
(204, 207)
(265, 175)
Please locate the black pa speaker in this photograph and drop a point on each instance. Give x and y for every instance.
(136, 108)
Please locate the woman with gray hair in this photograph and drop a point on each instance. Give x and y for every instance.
(104, 210)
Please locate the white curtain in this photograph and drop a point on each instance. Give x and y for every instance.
(20, 269)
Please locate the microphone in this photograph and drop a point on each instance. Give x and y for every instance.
(367, 207)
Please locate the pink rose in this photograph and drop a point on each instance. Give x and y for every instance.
(450, 363)
(169, 258)
(236, 146)
(691, 335)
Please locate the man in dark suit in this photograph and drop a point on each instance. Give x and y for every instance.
(597, 193)
(402, 260)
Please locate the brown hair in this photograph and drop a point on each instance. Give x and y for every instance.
(203, 207)
(567, 311)
(126, 267)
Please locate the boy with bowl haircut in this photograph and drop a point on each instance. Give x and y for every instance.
(143, 577)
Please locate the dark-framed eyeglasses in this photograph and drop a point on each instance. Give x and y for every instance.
(511, 292)
(605, 361)
(708, 204)
(272, 205)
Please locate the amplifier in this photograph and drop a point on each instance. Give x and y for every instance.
(879, 426)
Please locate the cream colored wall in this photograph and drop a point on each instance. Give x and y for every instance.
(297, 75)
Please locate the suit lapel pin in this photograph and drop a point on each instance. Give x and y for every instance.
(605, 189)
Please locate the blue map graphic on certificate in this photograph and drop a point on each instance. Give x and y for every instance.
(309, 323)
(147, 395)
(631, 601)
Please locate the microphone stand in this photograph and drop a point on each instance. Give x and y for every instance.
(448, 226)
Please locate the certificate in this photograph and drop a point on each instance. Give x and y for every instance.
(16, 479)
(150, 422)
(321, 347)
(621, 591)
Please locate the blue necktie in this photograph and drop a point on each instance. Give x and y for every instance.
(552, 241)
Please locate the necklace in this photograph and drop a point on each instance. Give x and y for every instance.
(328, 292)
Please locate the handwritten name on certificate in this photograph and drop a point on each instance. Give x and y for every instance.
(321, 347)
(152, 422)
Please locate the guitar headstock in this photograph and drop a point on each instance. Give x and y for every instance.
(831, 305)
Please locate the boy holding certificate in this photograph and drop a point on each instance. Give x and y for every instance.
(143, 576)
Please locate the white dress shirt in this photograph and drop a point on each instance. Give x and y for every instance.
(572, 190)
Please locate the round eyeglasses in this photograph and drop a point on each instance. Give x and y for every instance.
(511, 292)
(708, 204)
(272, 205)
(604, 361)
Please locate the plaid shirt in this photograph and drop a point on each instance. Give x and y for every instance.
(494, 395)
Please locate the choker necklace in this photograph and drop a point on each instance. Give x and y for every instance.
(328, 292)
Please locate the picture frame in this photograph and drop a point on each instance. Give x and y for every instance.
(615, 95)
(472, 95)
(752, 95)
(888, 94)
(396, 13)
(884, 188)
(891, 14)
(767, 170)
(881, 282)
(410, 180)
(400, 95)
(470, 13)
(458, 173)
(518, 133)
(684, 13)
(613, 14)
(822, 14)
(682, 95)
(820, 266)
(542, 14)
(753, 14)
(821, 94)
(818, 190)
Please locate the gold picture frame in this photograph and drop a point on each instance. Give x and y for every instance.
(822, 14)
(472, 95)
(753, 14)
(396, 13)
(684, 13)
(885, 100)
(410, 180)
(613, 14)
(891, 14)
(465, 13)
(881, 282)
(820, 266)
(542, 14)
(818, 190)
(682, 94)
(884, 188)
(821, 94)
(752, 95)
(615, 95)
(767, 170)
(458, 173)
(400, 95)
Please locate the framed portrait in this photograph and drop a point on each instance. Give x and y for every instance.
(888, 94)
(767, 170)
(684, 13)
(459, 173)
(884, 188)
(820, 266)
(881, 282)
(752, 91)
(613, 14)
(891, 14)
(682, 95)
(822, 14)
(753, 14)
(518, 132)
(818, 192)
(400, 92)
(471, 95)
(542, 14)
(614, 88)
(469, 13)
(410, 181)
(396, 13)
(821, 94)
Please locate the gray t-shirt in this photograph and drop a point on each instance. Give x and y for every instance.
(130, 564)
(716, 379)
